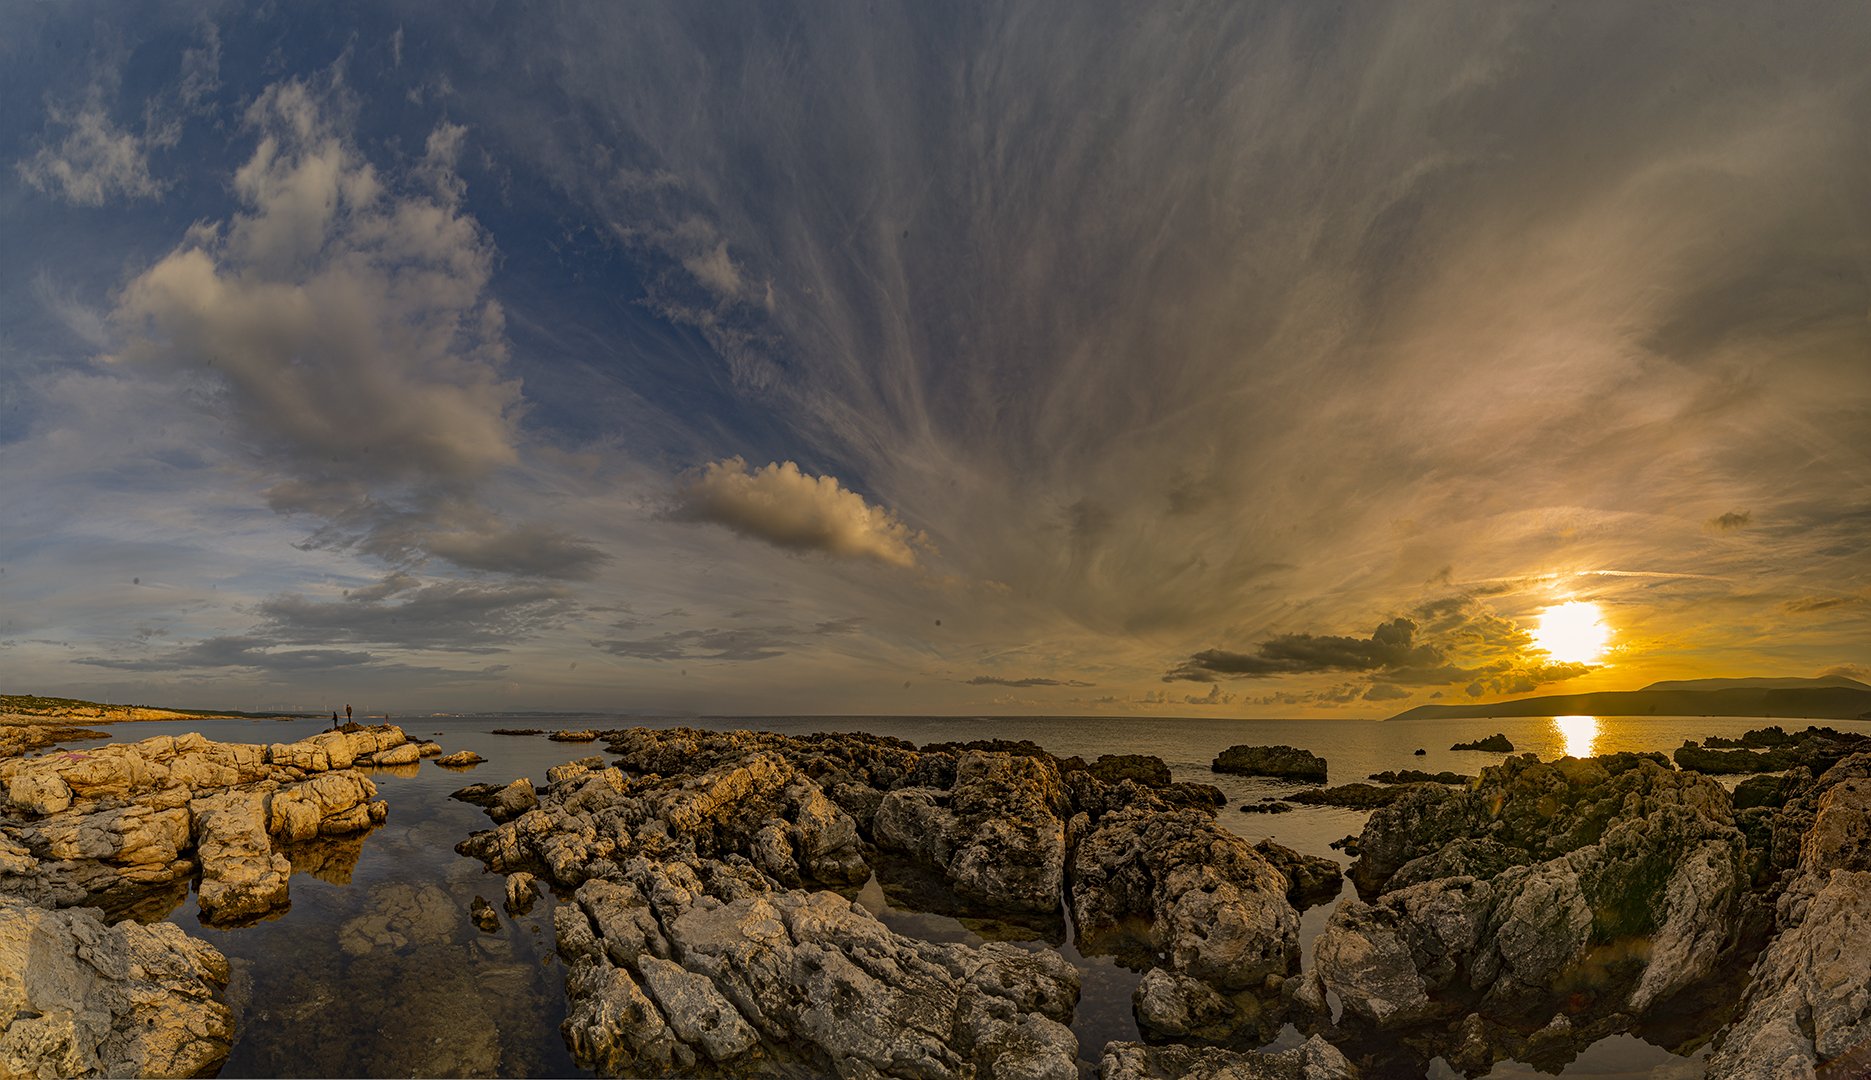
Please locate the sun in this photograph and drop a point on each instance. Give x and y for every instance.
(1572, 633)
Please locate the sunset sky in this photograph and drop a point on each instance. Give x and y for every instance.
(1196, 359)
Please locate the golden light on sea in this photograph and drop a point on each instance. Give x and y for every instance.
(1579, 733)
(1572, 633)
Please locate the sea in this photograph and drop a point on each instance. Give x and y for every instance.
(375, 969)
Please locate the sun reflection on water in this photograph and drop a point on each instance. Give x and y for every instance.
(1579, 733)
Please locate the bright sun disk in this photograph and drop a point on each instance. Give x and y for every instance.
(1572, 633)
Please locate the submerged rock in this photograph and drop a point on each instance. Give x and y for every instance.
(1283, 762)
(483, 915)
(1493, 744)
(84, 999)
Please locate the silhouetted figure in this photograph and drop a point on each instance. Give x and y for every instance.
(347, 716)
(334, 719)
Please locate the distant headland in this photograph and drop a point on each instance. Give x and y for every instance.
(1832, 697)
(33, 709)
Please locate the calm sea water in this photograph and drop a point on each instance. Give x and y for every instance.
(376, 971)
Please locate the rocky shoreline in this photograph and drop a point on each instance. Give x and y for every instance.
(706, 915)
(98, 845)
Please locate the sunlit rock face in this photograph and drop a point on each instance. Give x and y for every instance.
(124, 827)
(1808, 1006)
(697, 942)
(1552, 903)
(84, 999)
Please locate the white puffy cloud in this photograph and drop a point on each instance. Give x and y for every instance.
(788, 508)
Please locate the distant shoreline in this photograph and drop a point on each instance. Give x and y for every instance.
(32, 711)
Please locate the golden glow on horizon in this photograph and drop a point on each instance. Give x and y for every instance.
(1579, 733)
(1572, 633)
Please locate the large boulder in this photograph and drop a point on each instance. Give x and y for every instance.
(1177, 890)
(79, 998)
(242, 877)
(996, 834)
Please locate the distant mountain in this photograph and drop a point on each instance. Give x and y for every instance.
(1831, 698)
(1759, 684)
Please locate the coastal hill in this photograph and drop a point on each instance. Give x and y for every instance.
(33, 709)
(1833, 697)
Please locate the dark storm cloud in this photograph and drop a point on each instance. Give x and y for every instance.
(1733, 519)
(1449, 641)
(1392, 645)
(996, 680)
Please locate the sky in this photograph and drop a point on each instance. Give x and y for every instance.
(1201, 359)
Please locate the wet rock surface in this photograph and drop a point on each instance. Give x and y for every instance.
(705, 934)
(1280, 762)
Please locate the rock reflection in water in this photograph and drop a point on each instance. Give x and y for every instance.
(329, 859)
(406, 988)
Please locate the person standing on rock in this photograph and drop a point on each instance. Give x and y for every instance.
(347, 715)
(334, 719)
